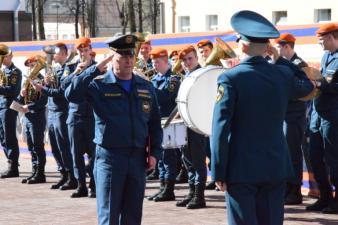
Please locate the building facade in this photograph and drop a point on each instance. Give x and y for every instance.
(213, 15)
(15, 23)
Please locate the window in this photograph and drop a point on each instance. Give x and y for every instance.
(279, 17)
(184, 24)
(49, 37)
(64, 37)
(211, 22)
(322, 15)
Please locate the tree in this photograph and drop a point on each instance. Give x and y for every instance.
(40, 21)
(140, 16)
(131, 13)
(123, 15)
(91, 18)
(33, 19)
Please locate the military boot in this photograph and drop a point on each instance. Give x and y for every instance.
(332, 208)
(211, 186)
(39, 176)
(294, 197)
(154, 175)
(34, 169)
(81, 191)
(92, 187)
(168, 192)
(71, 182)
(198, 200)
(182, 177)
(12, 170)
(62, 180)
(151, 197)
(188, 198)
(324, 199)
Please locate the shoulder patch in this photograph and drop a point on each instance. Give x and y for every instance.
(220, 93)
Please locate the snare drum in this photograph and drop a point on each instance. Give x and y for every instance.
(196, 98)
(174, 135)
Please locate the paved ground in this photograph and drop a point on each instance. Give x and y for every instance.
(23, 204)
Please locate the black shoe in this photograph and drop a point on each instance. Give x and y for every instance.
(61, 182)
(293, 199)
(319, 205)
(151, 197)
(153, 175)
(80, 192)
(184, 202)
(71, 183)
(37, 179)
(332, 208)
(168, 192)
(198, 201)
(10, 173)
(211, 185)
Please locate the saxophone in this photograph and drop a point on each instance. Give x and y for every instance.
(31, 94)
(4, 50)
(50, 75)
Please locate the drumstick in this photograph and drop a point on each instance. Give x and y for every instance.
(171, 117)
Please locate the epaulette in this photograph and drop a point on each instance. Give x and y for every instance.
(100, 77)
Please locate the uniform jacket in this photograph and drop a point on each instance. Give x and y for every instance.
(247, 141)
(10, 91)
(327, 103)
(166, 87)
(296, 108)
(122, 119)
(56, 99)
(79, 111)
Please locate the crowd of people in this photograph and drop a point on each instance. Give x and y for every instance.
(111, 111)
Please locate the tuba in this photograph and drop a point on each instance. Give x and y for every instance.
(31, 94)
(177, 69)
(220, 51)
(4, 51)
(50, 75)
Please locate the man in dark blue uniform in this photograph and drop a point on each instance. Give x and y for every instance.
(34, 107)
(194, 154)
(127, 119)
(166, 87)
(10, 85)
(250, 159)
(295, 121)
(57, 115)
(80, 123)
(324, 145)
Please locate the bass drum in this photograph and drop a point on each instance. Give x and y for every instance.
(196, 98)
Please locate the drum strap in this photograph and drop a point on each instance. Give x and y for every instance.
(171, 117)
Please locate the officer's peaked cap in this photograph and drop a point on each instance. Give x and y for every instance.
(124, 45)
(253, 27)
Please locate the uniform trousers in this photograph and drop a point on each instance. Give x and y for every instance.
(120, 184)
(255, 204)
(8, 138)
(167, 165)
(59, 141)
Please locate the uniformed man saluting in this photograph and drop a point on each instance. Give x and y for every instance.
(250, 159)
(127, 119)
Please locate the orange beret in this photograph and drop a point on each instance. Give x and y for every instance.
(203, 43)
(93, 54)
(160, 52)
(285, 38)
(326, 28)
(29, 60)
(82, 43)
(186, 51)
(60, 44)
(174, 53)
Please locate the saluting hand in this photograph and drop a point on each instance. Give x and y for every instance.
(221, 185)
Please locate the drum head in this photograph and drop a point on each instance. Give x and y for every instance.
(196, 98)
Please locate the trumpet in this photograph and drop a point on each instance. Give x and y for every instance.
(50, 76)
